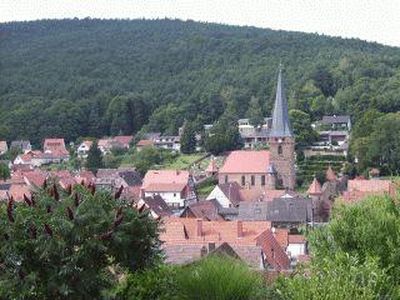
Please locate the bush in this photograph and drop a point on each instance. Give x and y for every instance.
(221, 278)
(153, 284)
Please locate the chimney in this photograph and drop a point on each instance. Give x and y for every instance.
(199, 227)
(240, 233)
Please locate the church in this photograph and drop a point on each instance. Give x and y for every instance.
(269, 169)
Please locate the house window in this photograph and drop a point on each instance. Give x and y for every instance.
(226, 178)
(243, 180)
(263, 180)
(253, 180)
(280, 151)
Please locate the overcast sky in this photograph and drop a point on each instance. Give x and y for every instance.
(372, 20)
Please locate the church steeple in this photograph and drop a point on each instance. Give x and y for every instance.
(280, 116)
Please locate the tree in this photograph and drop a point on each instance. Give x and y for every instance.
(355, 256)
(301, 123)
(324, 81)
(94, 159)
(223, 137)
(188, 139)
(4, 171)
(67, 244)
(254, 112)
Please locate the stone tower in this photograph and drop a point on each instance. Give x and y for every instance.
(281, 140)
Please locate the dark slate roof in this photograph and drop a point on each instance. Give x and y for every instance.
(335, 119)
(131, 177)
(280, 116)
(225, 249)
(297, 210)
(231, 191)
(20, 144)
(5, 186)
(206, 209)
(158, 205)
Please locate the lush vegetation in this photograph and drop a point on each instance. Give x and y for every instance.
(215, 277)
(71, 244)
(88, 77)
(355, 256)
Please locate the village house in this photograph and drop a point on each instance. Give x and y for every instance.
(21, 145)
(113, 179)
(174, 186)
(283, 212)
(254, 135)
(170, 142)
(359, 188)
(208, 210)
(83, 148)
(3, 147)
(155, 205)
(187, 240)
(342, 122)
(143, 144)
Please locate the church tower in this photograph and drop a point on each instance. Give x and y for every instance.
(281, 139)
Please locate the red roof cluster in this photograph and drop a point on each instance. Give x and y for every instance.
(358, 189)
(165, 181)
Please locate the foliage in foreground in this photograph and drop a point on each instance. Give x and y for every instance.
(65, 244)
(214, 277)
(355, 256)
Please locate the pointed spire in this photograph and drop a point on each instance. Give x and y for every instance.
(330, 174)
(280, 116)
(315, 188)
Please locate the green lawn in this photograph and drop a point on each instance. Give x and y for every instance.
(183, 161)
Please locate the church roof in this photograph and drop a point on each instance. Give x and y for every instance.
(280, 116)
(315, 188)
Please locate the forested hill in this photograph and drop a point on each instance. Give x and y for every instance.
(90, 77)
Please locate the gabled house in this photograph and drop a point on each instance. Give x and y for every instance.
(3, 147)
(226, 194)
(174, 186)
(113, 179)
(207, 210)
(155, 205)
(144, 144)
(83, 148)
(187, 240)
(54, 145)
(22, 145)
(357, 189)
(281, 212)
(122, 141)
(170, 142)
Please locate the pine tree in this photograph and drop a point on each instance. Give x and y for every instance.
(94, 160)
(254, 112)
(188, 139)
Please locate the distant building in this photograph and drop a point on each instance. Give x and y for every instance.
(341, 123)
(207, 210)
(83, 148)
(252, 135)
(155, 205)
(170, 142)
(187, 240)
(174, 186)
(22, 145)
(357, 189)
(3, 147)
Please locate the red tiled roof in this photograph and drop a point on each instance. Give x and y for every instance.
(144, 143)
(315, 188)
(124, 140)
(35, 177)
(165, 187)
(252, 194)
(165, 180)
(246, 162)
(56, 144)
(17, 191)
(330, 174)
(276, 256)
(358, 189)
(296, 239)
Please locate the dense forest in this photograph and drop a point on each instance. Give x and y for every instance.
(90, 77)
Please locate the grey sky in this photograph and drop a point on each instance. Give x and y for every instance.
(372, 20)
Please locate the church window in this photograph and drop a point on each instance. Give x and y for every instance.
(226, 178)
(243, 180)
(262, 179)
(280, 150)
(253, 180)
